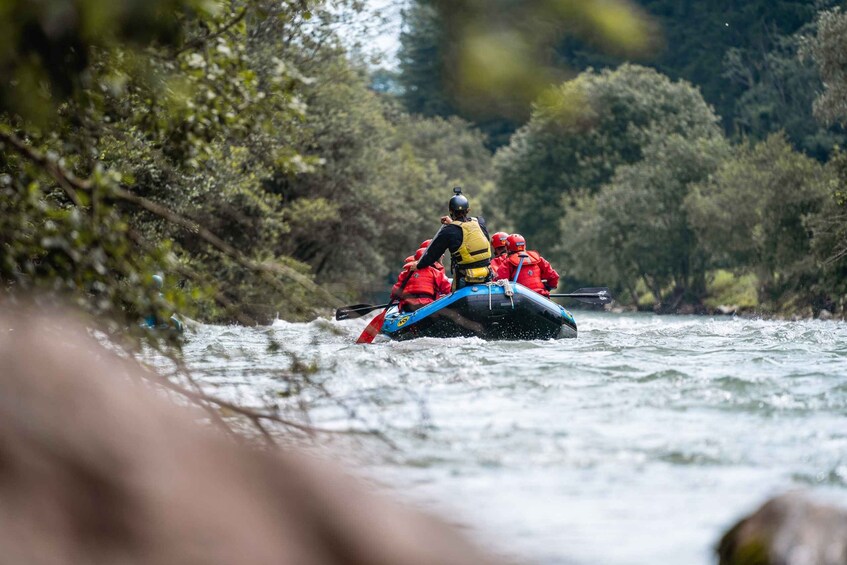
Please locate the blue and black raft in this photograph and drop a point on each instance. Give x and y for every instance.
(493, 311)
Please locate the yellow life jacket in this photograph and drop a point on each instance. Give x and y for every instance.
(474, 255)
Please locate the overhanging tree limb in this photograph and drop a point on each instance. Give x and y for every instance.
(71, 183)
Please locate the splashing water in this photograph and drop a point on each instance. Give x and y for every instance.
(639, 442)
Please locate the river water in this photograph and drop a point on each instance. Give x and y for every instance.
(641, 441)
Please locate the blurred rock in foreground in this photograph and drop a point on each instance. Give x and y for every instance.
(95, 468)
(788, 530)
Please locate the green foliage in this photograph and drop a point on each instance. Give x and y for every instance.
(829, 51)
(53, 249)
(724, 288)
(487, 63)
(560, 152)
(425, 86)
(829, 229)
(420, 57)
(636, 226)
(699, 34)
(229, 148)
(236, 147)
(778, 90)
(751, 214)
(46, 48)
(458, 152)
(383, 183)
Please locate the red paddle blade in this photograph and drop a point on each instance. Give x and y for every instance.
(373, 328)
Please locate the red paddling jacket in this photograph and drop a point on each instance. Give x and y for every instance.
(497, 262)
(535, 269)
(425, 287)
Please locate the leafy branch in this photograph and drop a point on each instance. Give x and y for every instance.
(71, 184)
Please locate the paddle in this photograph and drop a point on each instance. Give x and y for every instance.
(588, 295)
(370, 332)
(357, 311)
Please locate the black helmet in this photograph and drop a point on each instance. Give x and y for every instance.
(459, 203)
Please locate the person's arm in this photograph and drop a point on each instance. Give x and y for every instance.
(550, 274)
(444, 287)
(505, 270)
(439, 244)
(481, 221)
(395, 290)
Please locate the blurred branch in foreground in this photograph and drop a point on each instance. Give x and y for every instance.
(498, 55)
(98, 469)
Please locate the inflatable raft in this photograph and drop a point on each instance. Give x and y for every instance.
(495, 311)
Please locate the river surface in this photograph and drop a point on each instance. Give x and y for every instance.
(641, 441)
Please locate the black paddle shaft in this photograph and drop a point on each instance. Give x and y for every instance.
(356, 311)
(359, 310)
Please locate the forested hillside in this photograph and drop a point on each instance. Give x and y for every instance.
(699, 171)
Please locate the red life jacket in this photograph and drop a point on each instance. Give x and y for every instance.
(530, 275)
(423, 284)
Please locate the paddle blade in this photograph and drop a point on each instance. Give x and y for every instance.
(600, 295)
(596, 300)
(372, 330)
(599, 290)
(597, 296)
(354, 311)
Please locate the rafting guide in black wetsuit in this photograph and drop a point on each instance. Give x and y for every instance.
(467, 240)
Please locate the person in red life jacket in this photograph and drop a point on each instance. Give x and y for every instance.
(501, 252)
(424, 287)
(535, 272)
(424, 244)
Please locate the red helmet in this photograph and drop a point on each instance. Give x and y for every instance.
(516, 242)
(419, 253)
(424, 244)
(499, 239)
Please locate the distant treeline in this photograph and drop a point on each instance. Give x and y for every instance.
(629, 177)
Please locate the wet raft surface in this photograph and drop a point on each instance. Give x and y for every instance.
(638, 442)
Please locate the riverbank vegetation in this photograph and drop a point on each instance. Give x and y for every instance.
(251, 153)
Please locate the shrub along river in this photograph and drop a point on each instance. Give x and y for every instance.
(641, 441)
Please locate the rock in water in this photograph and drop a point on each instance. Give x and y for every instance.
(788, 530)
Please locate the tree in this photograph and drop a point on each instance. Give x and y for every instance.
(698, 36)
(829, 51)
(829, 236)
(751, 214)
(370, 189)
(64, 230)
(486, 63)
(420, 56)
(562, 152)
(155, 160)
(778, 89)
(636, 227)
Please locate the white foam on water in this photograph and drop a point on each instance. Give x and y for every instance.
(637, 442)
